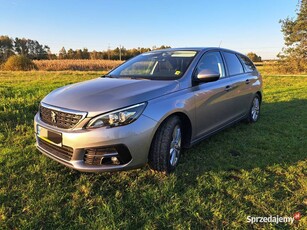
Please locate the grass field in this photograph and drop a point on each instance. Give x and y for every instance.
(247, 170)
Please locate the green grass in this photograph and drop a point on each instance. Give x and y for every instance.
(257, 170)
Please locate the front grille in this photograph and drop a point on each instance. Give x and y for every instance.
(63, 152)
(59, 119)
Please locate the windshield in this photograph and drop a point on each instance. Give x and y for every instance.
(155, 65)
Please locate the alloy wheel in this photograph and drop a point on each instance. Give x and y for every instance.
(175, 147)
(255, 109)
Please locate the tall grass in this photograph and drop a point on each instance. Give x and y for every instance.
(266, 67)
(281, 67)
(80, 65)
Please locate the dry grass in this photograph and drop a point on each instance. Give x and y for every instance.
(282, 67)
(266, 63)
(266, 67)
(81, 65)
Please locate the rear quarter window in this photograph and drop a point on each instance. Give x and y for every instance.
(233, 63)
(248, 64)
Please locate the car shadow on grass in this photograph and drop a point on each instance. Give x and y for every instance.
(279, 137)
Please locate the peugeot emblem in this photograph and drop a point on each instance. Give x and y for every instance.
(53, 117)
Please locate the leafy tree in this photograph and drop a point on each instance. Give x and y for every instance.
(19, 62)
(254, 57)
(20, 46)
(70, 54)
(6, 48)
(94, 55)
(85, 54)
(163, 47)
(295, 36)
(62, 53)
(31, 49)
(37, 51)
(77, 54)
(98, 55)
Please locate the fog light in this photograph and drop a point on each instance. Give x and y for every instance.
(116, 155)
(115, 160)
(99, 156)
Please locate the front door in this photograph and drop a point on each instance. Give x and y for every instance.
(213, 105)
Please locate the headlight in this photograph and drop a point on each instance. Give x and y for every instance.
(117, 118)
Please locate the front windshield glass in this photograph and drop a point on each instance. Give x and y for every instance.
(155, 65)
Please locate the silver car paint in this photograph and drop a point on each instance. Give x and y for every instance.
(208, 106)
(101, 95)
(136, 136)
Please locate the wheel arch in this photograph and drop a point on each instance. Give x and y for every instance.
(259, 93)
(186, 126)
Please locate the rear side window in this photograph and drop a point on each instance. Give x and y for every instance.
(248, 65)
(233, 63)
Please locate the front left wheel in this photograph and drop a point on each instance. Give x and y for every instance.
(166, 146)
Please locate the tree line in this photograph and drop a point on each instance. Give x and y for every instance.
(32, 49)
(119, 53)
(26, 47)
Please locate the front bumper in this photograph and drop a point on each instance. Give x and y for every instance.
(133, 139)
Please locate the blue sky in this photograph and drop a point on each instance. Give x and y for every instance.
(242, 25)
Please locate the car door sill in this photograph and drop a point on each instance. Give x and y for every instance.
(209, 134)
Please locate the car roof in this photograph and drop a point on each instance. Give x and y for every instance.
(198, 49)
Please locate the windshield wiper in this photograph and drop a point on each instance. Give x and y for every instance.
(130, 77)
(135, 78)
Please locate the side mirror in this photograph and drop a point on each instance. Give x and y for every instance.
(207, 75)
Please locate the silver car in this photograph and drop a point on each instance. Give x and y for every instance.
(148, 109)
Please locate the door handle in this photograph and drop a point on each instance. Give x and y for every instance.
(228, 88)
(247, 81)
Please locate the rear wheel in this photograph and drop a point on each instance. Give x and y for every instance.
(166, 146)
(254, 111)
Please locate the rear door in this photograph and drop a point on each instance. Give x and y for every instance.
(251, 75)
(240, 92)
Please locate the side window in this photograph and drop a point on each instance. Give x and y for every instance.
(212, 61)
(248, 65)
(233, 63)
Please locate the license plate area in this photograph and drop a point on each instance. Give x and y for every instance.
(49, 136)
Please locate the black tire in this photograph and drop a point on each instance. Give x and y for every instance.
(160, 152)
(254, 111)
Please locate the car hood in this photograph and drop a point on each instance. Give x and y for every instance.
(105, 94)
